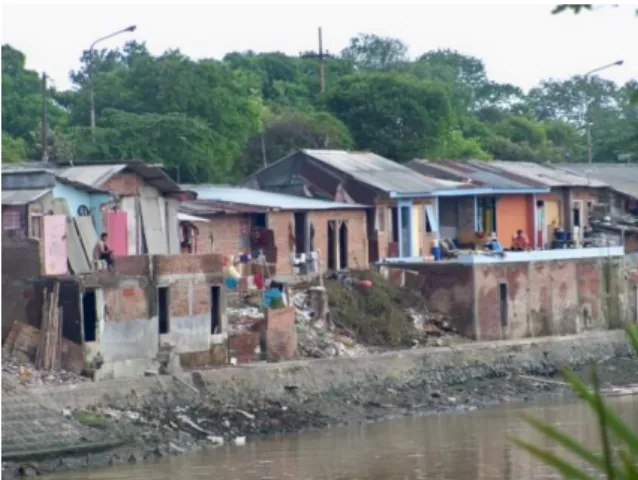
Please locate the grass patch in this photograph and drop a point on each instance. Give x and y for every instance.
(90, 419)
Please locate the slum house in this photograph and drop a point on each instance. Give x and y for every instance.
(33, 233)
(568, 205)
(130, 317)
(500, 202)
(616, 215)
(402, 221)
(620, 184)
(148, 201)
(526, 294)
(234, 220)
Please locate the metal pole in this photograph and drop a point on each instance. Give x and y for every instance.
(91, 75)
(45, 153)
(322, 64)
(587, 122)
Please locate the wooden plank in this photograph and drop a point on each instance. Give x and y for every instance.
(87, 233)
(78, 259)
(156, 241)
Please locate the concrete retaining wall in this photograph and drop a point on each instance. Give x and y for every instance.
(32, 421)
(434, 366)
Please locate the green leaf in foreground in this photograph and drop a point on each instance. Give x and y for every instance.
(608, 421)
(549, 458)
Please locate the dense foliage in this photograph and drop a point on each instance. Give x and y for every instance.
(218, 120)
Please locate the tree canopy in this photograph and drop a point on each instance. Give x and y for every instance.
(219, 120)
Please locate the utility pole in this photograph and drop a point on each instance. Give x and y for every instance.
(43, 130)
(321, 56)
(322, 63)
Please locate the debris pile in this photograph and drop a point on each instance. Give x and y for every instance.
(23, 372)
(212, 423)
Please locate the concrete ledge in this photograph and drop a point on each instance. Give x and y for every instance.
(433, 366)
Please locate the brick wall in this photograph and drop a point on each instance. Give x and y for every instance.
(281, 342)
(187, 264)
(448, 288)
(543, 298)
(133, 304)
(488, 279)
(221, 235)
(124, 183)
(357, 235)
(243, 345)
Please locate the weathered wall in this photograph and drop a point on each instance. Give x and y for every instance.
(129, 337)
(447, 288)
(549, 297)
(436, 366)
(21, 261)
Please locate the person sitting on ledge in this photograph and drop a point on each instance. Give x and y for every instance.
(520, 242)
(103, 252)
(493, 244)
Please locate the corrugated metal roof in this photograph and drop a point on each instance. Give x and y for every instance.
(622, 177)
(97, 175)
(552, 176)
(479, 174)
(263, 199)
(26, 170)
(22, 197)
(378, 172)
(185, 217)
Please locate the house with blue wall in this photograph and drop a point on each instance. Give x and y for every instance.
(403, 216)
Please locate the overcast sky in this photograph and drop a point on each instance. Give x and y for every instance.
(519, 44)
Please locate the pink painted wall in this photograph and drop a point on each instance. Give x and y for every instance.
(54, 244)
(118, 233)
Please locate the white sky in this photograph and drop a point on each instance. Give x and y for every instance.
(520, 44)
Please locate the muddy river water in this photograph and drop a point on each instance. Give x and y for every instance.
(460, 446)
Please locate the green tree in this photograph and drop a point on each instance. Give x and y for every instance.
(376, 53)
(290, 131)
(392, 114)
(14, 150)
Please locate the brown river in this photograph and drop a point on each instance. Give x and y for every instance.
(460, 446)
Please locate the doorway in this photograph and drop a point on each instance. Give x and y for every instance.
(405, 212)
(163, 310)
(502, 298)
(541, 226)
(301, 232)
(89, 315)
(343, 246)
(332, 245)
(215, 309)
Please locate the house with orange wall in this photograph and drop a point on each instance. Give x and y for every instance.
(569, 203)
(500, 203)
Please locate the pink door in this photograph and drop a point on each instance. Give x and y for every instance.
(118, 233)
(54, 244)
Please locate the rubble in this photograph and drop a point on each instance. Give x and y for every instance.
(23, 372)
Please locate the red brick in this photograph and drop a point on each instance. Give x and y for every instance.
(242, 346)
(280, 333)
(187, 264)
(179, 298)
(124, 184)
(201, 298)
(133, 306)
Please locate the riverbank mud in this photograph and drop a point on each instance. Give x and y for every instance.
(155, 417)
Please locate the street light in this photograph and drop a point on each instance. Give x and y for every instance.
(91, 89)
(587, 124)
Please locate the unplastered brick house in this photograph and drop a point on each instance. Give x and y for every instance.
(233, 220)
(121, 321)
